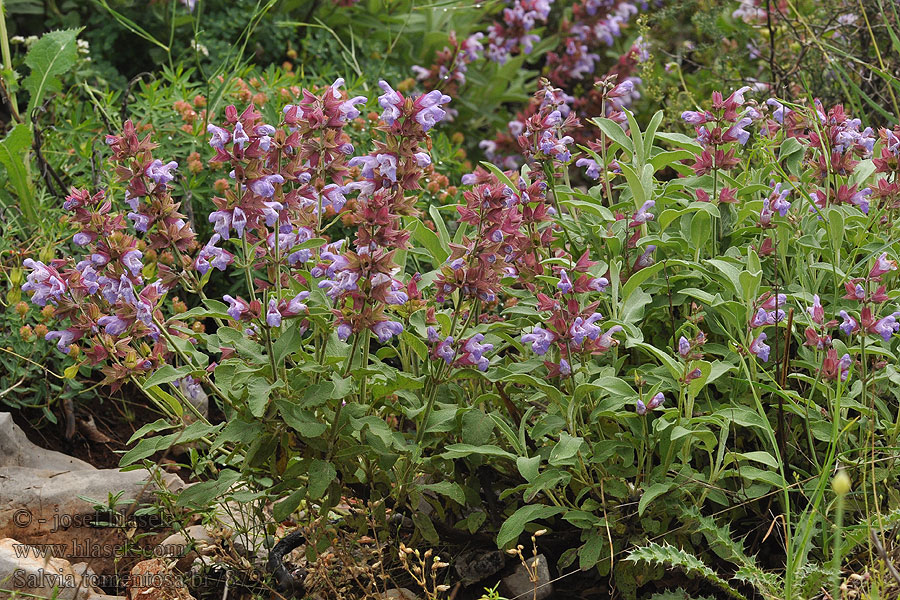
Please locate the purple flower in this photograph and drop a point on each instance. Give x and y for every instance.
(219, 137)
(540, 340)
(592, 169)
(816, 311)
(645, 260)
(238, 221)
(565, 369)
(423, 159)
(265, 186)
(475, 348)
(860, 199)
(779, 200)
(45, 282)
(237, 307)
(273, 317)
(240, 136)
(211, 256)
(887, 326)
(780, 110)
(640, 407)
(82, 238)
(844, 366)
(585, 328)
(343, 281)
(387, 165)
(141, 222)
(445, 350)
(348, 108)
(429, 108)
(656, 401)
(849, 324)
(738, 132)
(759, 347)
(390, 101)
(221, 220)
(693, 117)
(271, 212)
(565, 284)
(161, 173)
(65, 337)
(385, 330)
(132, 260)
(295, 305)
(343, 331)
(642, 216)
(113, 325)
(599, 284)
(684, 347)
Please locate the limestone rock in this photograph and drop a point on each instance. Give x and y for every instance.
(519, 582)
(28, 572)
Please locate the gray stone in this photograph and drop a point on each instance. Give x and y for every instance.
(399, 594)
(519, 583)
(17, 451)
(24, 571)
(40, 504)
(176, 545)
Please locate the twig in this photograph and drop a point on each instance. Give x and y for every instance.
(884, 555)
(123, 112)
(50, 175)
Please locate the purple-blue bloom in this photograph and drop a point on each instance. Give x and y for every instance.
(759, 347)
(385, 330)
(540, 340)
(161, 173)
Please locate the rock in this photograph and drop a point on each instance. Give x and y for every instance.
(400, 594)
(153, 580)
(27, 572)
(519, 582)
(40, 504)
(473, 566)
(17, 451)
(177, 544)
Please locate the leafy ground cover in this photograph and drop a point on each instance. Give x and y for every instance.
(479, 292)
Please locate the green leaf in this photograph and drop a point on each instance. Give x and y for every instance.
(500, 174)
(428, 239)
(513, 527)
(287, 342)
(50, 56)
(424, 525)
(700, 231)
(654, 491)
(463, 450)
(528, 467)
(166, 374)
(450, 489)
(13, 149)
(682, 141)
(615, 132)
(565, 449)
(285, 508)
(302, 421)
(321, 474)
(204, 493)
(258, 390)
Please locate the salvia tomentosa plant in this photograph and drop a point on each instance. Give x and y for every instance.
(710, 324)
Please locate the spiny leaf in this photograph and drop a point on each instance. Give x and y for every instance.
(675, 557)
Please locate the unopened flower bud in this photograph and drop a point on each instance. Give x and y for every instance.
(841, 483)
